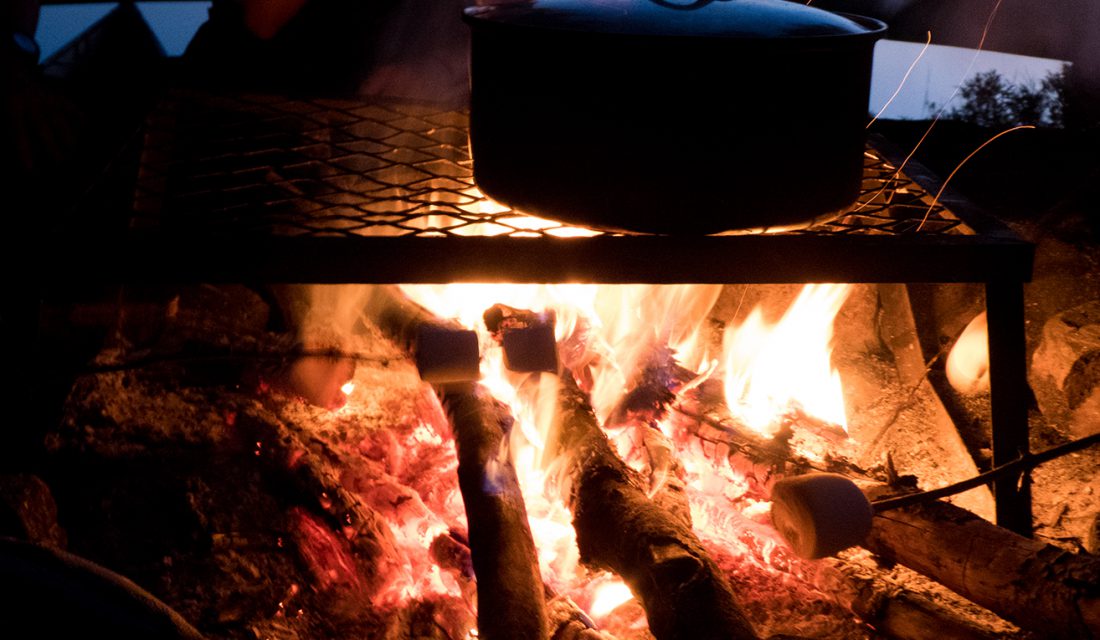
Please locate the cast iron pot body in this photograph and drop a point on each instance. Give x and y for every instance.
(630, 115)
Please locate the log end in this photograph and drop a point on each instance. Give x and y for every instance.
(446, 355)
(820, 514)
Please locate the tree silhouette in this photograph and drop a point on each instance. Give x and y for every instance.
(988, 100)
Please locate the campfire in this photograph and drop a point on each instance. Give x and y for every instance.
(524, 461)
(569, 461)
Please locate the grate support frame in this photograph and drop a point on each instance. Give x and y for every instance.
(266, 188)
(273, 189)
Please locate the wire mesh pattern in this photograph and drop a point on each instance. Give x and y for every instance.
(251, 164)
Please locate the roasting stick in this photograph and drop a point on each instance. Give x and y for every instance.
(511, 599)
(1023, 463)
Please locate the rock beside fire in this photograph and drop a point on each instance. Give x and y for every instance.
(1065, 370)
(28, 511)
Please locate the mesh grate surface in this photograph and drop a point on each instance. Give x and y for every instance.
(251, 164)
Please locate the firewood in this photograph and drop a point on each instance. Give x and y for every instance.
(652, 390)
(509, 587)
(703, 412)
(898, 612)
(511, 602)
(618, 527)
(1034, 584)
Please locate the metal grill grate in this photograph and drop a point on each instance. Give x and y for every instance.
(274, 166)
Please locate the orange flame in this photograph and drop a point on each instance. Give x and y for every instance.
(603, 330)
(613, 325)
(772, 369)
(609, 596)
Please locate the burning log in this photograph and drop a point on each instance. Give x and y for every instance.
(642, 408)
(899, 612)
(663, 562)
(702, 411)
(1036, 585)
(510, 593)
(567, 621)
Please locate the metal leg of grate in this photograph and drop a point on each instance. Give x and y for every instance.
(1009, 393)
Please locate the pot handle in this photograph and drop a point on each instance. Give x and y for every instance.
(696, 4)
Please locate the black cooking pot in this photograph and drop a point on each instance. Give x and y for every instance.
(649, 116)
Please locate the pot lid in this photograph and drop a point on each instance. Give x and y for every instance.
(742, 19)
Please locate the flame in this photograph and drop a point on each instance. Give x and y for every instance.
(603, 333)
(608, 597)
(772, 369)
(968, 363)
(600, 329)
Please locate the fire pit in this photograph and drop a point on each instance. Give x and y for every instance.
(273, 190)
(337, 191)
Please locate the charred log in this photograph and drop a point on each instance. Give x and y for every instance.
(663, 562)
(646, 403)
(1035, 585)
(511, 602)
(901, 613)
(510, 593)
